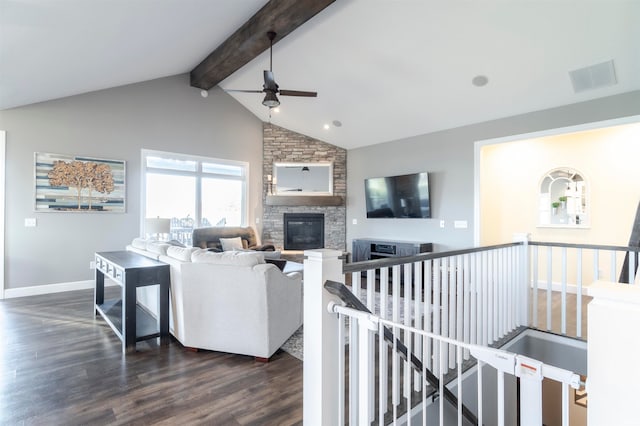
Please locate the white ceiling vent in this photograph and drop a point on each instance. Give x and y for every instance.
(593, 77)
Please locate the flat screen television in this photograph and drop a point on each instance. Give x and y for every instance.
(405, 196)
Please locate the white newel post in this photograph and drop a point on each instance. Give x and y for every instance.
(320, 368)
(613, 347)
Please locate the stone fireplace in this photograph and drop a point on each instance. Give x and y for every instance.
(303, 231)
(282, 145)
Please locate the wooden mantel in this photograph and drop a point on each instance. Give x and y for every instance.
(304, 200)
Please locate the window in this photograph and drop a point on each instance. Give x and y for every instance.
(193, 191)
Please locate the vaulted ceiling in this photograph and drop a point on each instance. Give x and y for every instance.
(385, 69)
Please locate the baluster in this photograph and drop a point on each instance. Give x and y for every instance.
(408, 282)
(396, 318)
(492, 307)
(479, 390)
(437, 296)
(466, 302)
(353, 371)
(579, 293)
(500, 413)
(382, 373)
(371, 287)
(534, 310)
(383, 354)
(341, 372)
(612, 267)
(453, 285)
(428, 310)
(563, 321)
(565, 404)
(459, 381)
(496, 292)
(485, 298)
(473, 299)
(418, 289)
(444, 272)
(632, 266)
(549, 286)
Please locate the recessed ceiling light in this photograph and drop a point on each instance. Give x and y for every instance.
(337, 123)
(326, 127)
(276, 109)
(480, 80)
(204, 93)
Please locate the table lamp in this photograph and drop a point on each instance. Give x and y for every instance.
(157, 226)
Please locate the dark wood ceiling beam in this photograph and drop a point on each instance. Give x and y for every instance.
(250, 40)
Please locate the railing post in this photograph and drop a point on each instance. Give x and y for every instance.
(612, 382)
(320, 386)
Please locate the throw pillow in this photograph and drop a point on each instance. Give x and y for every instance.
(280, 263)
(230, 244)
(175, 243)
(139, 243)
(157, 247)
(181, 253)
(227, 258)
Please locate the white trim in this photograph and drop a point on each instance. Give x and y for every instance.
(244, 178)
(3, 141)
(38, 290)
(557, 286)
(533, 135)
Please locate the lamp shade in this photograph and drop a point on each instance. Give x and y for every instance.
(156, 225)
(270, 100)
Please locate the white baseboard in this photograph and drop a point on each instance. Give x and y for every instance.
(556, 286)
(37, 290)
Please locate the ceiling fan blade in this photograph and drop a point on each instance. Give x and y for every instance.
(244, 91)
(269, 82)
(298, 93)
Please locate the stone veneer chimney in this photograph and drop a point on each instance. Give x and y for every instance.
(282, 145)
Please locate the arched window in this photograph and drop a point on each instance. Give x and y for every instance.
(563, 200)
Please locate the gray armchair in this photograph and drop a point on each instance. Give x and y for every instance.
(209, 237)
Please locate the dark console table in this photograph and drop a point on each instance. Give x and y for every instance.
(370, 248)
(129, 321)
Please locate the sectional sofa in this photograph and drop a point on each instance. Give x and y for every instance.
(230, 301)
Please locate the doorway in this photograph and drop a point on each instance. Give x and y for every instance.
(509, 172)
(2, 205)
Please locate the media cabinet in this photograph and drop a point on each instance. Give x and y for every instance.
(369, 249)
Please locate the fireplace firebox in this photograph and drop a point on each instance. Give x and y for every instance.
(303, 231)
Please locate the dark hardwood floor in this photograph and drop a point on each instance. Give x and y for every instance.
(59, 366)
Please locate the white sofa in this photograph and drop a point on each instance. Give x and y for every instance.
(229, 302)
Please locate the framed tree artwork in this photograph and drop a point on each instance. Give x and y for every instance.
(66, 183)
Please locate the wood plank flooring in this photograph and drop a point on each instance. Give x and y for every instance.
(59, 366)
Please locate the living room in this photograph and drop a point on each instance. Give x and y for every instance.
(167, 114)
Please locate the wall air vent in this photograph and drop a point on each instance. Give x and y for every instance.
(593, 77)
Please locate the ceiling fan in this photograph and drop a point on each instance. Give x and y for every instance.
(270, 88)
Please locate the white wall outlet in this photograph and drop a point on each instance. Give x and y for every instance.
(92, 264)
(460, 224)
(354, 221)
(442, 224)
(257, 220)
(30, 222)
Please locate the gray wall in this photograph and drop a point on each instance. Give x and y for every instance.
(164, 114)
(449, 158)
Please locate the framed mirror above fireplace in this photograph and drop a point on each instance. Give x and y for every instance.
(293, 179)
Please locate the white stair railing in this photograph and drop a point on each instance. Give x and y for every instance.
(421, 406)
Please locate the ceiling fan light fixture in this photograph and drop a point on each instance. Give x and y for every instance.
(271, 100)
